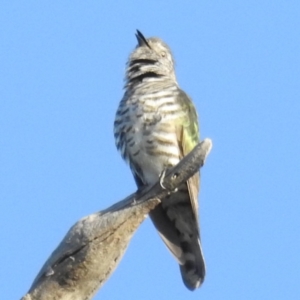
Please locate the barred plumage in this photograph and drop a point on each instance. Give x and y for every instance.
(155, 126)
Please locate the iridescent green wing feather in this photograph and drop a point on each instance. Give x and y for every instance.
(188, 138)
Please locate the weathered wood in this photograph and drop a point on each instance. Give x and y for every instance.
(93, 247)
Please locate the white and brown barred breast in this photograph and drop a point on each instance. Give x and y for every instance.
(145, 129)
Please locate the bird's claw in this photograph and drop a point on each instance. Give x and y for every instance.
(161, 179)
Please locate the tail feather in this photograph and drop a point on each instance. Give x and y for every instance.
(193, 269)
(178, 227)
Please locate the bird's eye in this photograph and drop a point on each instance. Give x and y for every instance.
(163, 54)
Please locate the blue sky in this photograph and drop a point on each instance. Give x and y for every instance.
(62, 69)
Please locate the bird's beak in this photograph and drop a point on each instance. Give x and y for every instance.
(141, 39)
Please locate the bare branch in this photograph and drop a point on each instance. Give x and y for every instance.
(93, 247)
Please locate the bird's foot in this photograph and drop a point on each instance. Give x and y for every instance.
(161, 180)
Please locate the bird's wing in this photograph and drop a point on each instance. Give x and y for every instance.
(188, 138)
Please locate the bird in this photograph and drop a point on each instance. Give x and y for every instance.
(156, 125)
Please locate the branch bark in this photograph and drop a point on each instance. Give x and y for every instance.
(93, 247)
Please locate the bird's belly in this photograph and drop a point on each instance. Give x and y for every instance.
(154, 150)
(151, 168)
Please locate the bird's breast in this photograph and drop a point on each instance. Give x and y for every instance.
(146, 131)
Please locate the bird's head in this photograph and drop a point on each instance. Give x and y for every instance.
(151, 55)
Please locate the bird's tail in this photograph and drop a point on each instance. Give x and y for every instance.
(193, 268)
(177, 225)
